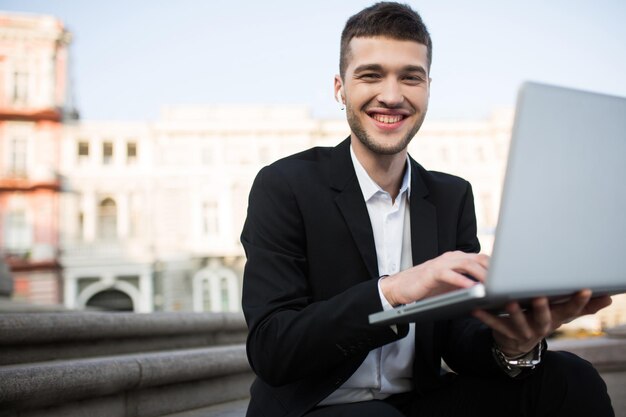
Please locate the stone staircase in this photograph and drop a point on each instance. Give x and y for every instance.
(76, 364)
(120, 364)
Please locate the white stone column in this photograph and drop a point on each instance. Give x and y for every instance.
(48, 79)
(225, 212)
(90, 214)
(34, 76)
(197, 292)
(69, 290)
(95, 152)
(68, 213)
(147, 291)
(119, 152)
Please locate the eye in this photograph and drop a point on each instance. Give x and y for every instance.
(413, 79)
(369, 76)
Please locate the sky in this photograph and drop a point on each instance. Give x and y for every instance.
(130, 58)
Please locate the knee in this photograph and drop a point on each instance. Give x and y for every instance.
(576, 382)
(565, 367)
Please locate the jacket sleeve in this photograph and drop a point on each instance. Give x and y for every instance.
(291, 336)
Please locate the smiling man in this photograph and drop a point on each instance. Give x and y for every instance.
(335, 234)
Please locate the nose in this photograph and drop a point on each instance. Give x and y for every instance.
(391, 93)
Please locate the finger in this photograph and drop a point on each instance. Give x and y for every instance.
(495, 323)
(580, 300)
(483, 260)
(455, 279)
(572, 308)
(542, 316)
(596, 304)
(470, 266)
(519, 322)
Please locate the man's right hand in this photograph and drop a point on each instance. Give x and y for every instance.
(442, 274)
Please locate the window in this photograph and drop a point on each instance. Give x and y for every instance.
(18, 233)
(83, 151)
(224, 294)
(131, 152)
(107, 153)
(107, 219)
(206, 295)
(20, 88)
(17, 157)
(215, 289)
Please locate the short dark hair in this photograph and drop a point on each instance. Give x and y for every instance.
(387, 19)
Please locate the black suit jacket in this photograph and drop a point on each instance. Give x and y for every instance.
(311, 275)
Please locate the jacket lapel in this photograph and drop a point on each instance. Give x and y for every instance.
(350, 201)
(424, 243)
(424, 246)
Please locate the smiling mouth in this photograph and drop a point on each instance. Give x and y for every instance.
(387, 118)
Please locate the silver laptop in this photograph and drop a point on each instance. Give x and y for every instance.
(562, 223)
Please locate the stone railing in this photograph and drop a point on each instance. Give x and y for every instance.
(119, 364)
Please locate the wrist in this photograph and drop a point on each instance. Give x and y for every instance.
(386, 287)
(511, 349)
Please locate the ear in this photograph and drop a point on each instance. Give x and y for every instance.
(339, 93)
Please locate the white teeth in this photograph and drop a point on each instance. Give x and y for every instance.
(388, 119)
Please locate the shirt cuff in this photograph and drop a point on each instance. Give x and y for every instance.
(386, 305)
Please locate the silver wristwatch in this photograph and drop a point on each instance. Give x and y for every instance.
(513, 366)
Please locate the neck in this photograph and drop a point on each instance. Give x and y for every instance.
(385, 170)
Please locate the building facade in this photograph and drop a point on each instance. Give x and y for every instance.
(153, 211)
(33, 105)
(146, 216)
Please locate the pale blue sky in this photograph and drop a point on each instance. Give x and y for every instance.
(132, 57)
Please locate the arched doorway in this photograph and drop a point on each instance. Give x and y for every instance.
(110, 300)
(107, 219)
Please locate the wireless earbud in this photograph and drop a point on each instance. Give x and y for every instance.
(339, 98)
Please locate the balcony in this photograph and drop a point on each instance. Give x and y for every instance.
(22, 180)
(28, 114)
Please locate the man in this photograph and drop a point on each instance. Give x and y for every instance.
(333, 235)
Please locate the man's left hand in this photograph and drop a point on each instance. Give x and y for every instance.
(520, 331)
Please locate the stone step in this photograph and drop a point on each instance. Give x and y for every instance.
(235, 408)
(28, 338)
(157, 383)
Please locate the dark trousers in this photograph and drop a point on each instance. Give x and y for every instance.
(563, 385)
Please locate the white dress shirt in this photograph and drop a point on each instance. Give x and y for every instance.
(388, 369)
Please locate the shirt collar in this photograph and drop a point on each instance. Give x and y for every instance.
(369, 188)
